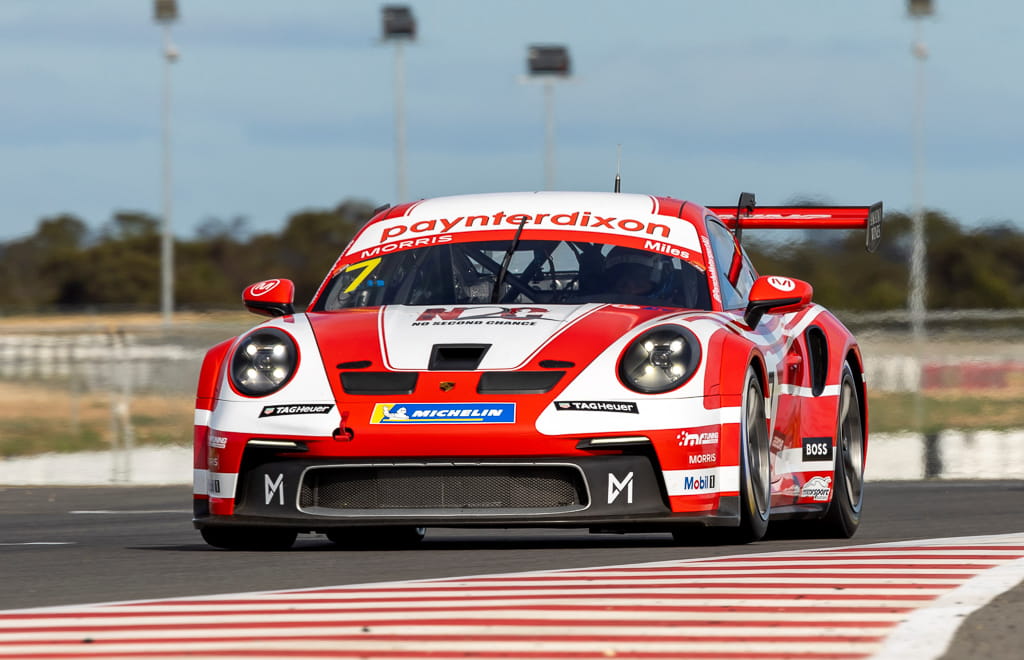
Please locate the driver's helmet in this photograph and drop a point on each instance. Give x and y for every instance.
(637, 272)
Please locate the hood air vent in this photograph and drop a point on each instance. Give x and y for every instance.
(456, 357)
(378, 382)
(518, 382)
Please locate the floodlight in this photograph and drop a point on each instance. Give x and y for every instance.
(399, 22)
(165, 11)
(920, 7)
(549, 60)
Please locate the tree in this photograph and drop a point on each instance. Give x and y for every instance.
(63, 264)
(312, 241)
(37, 270)
(125, 262)
(213, 268)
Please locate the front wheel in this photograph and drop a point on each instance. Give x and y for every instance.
(755, 477)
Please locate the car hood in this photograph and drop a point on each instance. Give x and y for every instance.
(486, 337)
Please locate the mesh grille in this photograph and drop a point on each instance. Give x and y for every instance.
(444, 488)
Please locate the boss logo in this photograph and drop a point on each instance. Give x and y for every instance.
(817, 449)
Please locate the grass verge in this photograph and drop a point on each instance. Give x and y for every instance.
(35, 419)
(945, 409)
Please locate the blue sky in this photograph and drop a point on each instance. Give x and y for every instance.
(280, 106)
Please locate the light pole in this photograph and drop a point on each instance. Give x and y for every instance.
(918, 9)
(165, 13)
(399, 26)
(549, 63)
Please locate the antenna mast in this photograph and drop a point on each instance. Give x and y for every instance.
(618, 168)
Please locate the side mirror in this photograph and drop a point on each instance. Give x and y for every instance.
(776, 294)
(270, 298)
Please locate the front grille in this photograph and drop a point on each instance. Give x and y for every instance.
(442, 490)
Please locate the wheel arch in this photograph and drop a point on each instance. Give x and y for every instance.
(760, 365)
(855, 360)
(737, 354)
(842, 349)
(209, 373)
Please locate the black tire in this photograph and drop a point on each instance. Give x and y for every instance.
(249, 538)
(843, 516)
(376, 538)
(755, 476)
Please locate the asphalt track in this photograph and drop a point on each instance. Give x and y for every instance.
(72, 545)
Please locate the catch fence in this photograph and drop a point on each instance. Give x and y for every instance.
(124, 367)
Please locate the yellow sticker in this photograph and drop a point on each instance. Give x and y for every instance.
(367, 267)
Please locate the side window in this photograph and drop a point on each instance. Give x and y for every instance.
(735, 275)
(746, 277)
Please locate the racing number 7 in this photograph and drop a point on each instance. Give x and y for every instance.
(367, 268)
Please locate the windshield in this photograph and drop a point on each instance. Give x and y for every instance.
(544, 271)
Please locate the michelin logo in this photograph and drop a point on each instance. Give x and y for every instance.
(443, 413)
(395, 414)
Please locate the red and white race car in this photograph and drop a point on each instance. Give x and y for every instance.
(556, 359)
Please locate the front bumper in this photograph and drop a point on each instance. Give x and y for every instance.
(612, 492)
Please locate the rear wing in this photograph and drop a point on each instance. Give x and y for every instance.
(802, 217)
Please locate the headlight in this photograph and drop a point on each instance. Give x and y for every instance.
(264, 362)
(660, 360)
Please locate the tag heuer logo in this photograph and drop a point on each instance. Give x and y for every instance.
(599, 406)
(297, 409)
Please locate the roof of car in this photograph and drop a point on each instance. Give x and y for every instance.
(626, 218)
(536, 201)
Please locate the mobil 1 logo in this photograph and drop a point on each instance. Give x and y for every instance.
(817, 449)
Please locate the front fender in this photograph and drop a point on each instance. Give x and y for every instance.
(206, 394)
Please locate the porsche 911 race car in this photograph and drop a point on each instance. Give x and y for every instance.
(604, 361)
